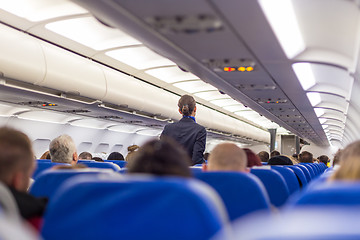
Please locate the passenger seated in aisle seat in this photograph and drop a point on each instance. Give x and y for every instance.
(85, 156)
(16, 167)
(46, 155)
(63, 150)
(274, 153)
(280, 160)
(131, 152)
(324, 159)
(350, 163)
(252, 158)
(116, 156)
(264, 156)
(162, 157)
(306, 157)
(227, 157)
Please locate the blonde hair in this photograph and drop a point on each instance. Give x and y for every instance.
(131, 150)
(350, 163)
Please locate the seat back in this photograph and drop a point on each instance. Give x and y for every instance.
(134, 208)
(43, 165)
(94, 164)
(275, 185)
(334, 193)
(241, 193)
(310, 169)
(306, 172)
(290, 178)
(49, 181)
(120, 163)
(299, 174)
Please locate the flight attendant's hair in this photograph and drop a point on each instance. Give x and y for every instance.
(186, 105)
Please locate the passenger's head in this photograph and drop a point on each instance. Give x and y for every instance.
(187, 105)
(16, 159)
(62, 149)
(206, 156)
(274, 153)
(350, 163)
(227, 157)
(162, 157)
(131, 152)
(116, 156)
(306, 157)
(336, 160)
(264, 156)
(85, 156)
(97, 159)
(280, 160)
(46, 155)
(252, 158)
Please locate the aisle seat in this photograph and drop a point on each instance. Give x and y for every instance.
(290, 178)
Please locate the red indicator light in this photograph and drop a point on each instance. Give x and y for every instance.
(229, 69)
(249, 69)
(241, 69)
(44, 105)
(268, 101)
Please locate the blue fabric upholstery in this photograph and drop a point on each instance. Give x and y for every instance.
(94, 164)
(120, 163)
(334, 193)
(310, 169)
(145, 208)
(275, 185)
(195, 170)
(299, 174)
(306, 172)
(290, 178)
(49, 181)
(241, 193)
(43, 165)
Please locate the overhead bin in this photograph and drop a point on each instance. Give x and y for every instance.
(71, 73)
(24, 60)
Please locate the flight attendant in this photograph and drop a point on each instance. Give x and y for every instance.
(187, 132)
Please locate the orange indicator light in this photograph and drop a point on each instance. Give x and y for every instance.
(229, 69)
(249, 69)
(241, 69)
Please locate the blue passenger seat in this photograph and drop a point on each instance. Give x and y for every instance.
(306, 172)
(43, 165)
(299, 174)
(275, 185)
(120, 163)
(290, 178)
(241, 193)
(138, 207)
(94, 164)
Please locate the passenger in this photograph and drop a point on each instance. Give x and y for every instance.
(116, 156)
(85, 156)
(306, 157)
(336, 160)
(274, 153)
(162, 157)
(350, 163)
(227, 157)
(187, 132)
(206, 156)
(280, 160)
(46, 155)
(97, 159)
(252, 158)
(131, 151)
(16, 168)
(264, 156)
(63, 150)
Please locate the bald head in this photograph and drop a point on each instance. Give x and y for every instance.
(227, 157)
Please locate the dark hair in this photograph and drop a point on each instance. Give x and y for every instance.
(85, 156)
(15, 152)
(252, 158)
(264, 156)
(274, 153)
(336, 160)
(280, 160)
(97, 159)
(186, 105)
(306, 157)
(206, 156)
(324, 159)
(115, 156)
(161, 157)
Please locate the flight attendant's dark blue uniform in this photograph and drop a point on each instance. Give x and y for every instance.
(190, 135)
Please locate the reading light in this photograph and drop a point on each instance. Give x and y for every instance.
(314, 98)
(241, 69)
(304, 74)
(282, 18)
(249, 69)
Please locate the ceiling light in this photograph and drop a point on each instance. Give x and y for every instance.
(304, 74)
(171, 74)
(224, 102)
(89, 32)
(139, 57)
(211, 95)
(194, 86)
(319, 112)
(282, 18)
(314, 98)
(39, 10)
(235, 108)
